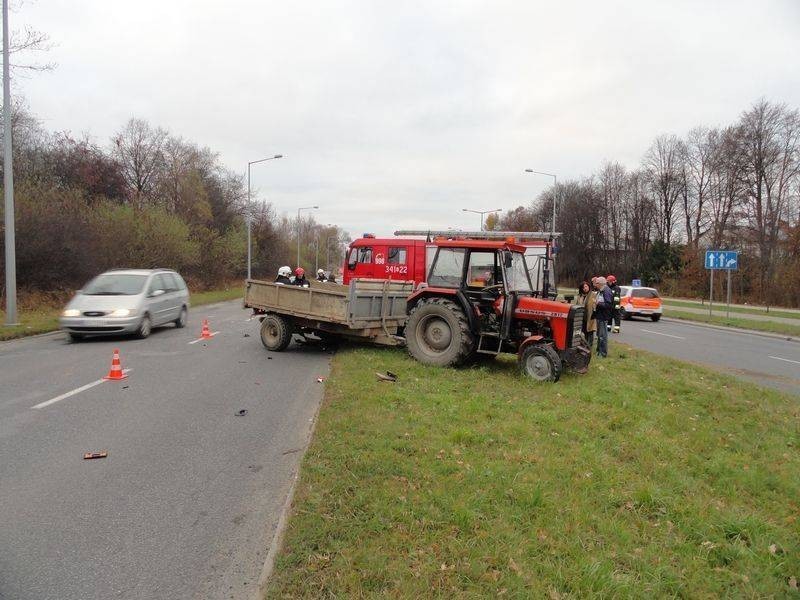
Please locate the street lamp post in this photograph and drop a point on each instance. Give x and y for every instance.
(482, 212)
(8, 183)
(250, 210)
(298, 228)
(548, 258)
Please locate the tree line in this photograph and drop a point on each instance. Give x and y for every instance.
(146, 199)
(735, 187)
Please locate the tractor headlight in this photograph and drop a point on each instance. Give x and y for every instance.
(120, 312)
(71, 312)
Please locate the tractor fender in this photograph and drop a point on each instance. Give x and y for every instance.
(532, 339)
(457, 296)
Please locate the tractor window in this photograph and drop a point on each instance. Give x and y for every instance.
(447, 268)
(483, 270)
(517, 275)
(397, 256)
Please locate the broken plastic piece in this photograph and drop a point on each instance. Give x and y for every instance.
(91, 455)
(320, 380)
(246, 335)
(242, 412)
(388, 376)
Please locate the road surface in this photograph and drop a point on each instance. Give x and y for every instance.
(768, 361)
(186, 503)
(720, 312)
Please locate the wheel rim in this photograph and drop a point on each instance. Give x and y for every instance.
(183, 316)
(145, 327)
(538, 367)
(434, 334)
(271, 332)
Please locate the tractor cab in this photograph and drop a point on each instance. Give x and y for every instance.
(479, 301)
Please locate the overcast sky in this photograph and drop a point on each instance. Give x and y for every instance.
(400, 114)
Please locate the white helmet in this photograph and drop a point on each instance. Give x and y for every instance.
(320, 272)
(285, 271)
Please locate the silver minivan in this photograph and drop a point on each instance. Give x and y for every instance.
(127, 301)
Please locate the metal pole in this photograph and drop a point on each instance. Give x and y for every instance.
(249, 222)
(711, 293)
(555, 194)
(298, 237)
(728, 312)
(8, 183)
(316, 255)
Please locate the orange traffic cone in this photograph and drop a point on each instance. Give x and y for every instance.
(116, 372)
(205, 334)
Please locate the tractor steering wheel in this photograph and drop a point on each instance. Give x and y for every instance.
(497, 286)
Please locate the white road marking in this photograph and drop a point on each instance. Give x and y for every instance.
(83, 388)
(677, 337)
(213, 333)
(797, 362)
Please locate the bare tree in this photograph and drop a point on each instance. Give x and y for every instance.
(663, 164)
(770, 142)
(697, 171)
(139, 149)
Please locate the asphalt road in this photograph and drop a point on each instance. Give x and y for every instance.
(765, 360)
(187, 501)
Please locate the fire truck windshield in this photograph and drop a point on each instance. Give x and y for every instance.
(517, 274)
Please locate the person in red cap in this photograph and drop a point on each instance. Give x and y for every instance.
(616, 317)
(300, 277)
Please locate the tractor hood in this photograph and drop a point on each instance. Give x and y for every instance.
(528, 307)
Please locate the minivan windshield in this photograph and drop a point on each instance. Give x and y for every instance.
(115, 284)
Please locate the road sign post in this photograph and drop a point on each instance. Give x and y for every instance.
(720, 260)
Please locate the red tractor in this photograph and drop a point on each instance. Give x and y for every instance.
(479, 302)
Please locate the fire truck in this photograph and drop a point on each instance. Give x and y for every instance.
(408, 256)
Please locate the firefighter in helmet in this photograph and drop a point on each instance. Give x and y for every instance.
(283, 277)
(321, 275)
(616, 315)
(300, 277)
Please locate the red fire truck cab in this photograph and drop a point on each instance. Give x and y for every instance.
(409, 259)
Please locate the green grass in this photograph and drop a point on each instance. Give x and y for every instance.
(43, 320)
(768, 326)
(735, 309)
(645, 478)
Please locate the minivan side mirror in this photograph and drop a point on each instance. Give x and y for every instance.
(156, 293)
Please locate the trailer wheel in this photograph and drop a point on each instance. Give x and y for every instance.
(276, 332)
(540, 362)
(437, 333)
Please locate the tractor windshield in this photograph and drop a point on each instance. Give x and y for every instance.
(517, 274)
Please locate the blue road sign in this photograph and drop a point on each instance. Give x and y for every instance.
(722, 259)
(636, 282)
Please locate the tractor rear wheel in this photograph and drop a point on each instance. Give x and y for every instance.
(437, 333)
(276, 332)
(540, 362)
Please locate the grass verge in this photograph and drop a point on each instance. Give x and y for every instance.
(43, 320)
(768, 326)
(735, 309)
(647, 477)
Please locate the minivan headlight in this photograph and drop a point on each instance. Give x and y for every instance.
(71, 312)
(120, 312)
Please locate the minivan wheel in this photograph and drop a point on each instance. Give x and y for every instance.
(145, 327)
(180, 322)
(74, 337)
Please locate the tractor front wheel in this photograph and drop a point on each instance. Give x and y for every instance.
(437, 333)
(540, 362)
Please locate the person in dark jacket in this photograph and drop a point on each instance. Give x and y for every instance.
(283, 276)
(586, 298)
(300, 277)
(321, 276)
(602, 314)
(615, 315)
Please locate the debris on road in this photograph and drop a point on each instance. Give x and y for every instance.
(269, 358)
(246, 335)
(320, 380)
(242, 412)
(292, 451)
(242, 362)
(91, 455)
(388, 376)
